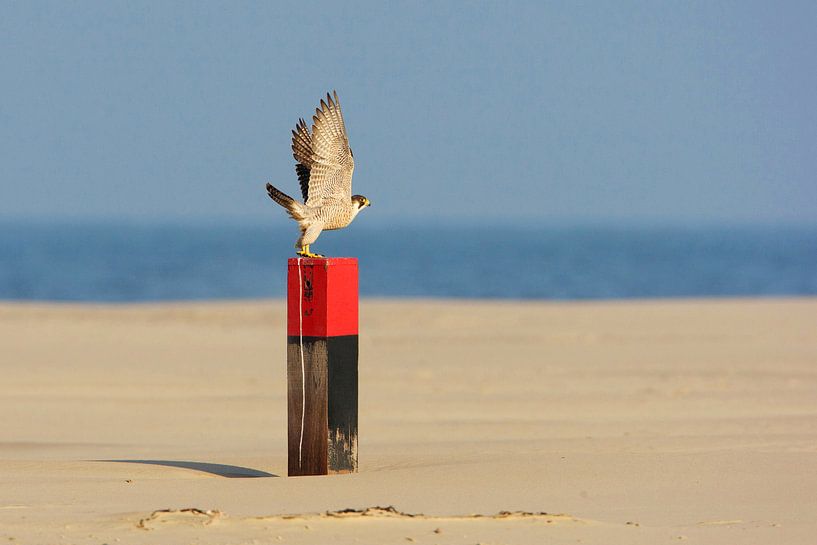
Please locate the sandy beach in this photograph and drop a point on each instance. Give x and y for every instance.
(480, 422)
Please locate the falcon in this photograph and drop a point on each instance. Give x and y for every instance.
(324, 167)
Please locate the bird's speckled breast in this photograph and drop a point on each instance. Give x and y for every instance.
(335, 216)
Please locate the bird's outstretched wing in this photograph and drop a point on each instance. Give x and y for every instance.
(331, 163)
(324, 160)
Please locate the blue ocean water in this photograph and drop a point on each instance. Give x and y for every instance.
(120, 262)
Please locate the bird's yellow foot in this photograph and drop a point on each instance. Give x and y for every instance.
(304, 252)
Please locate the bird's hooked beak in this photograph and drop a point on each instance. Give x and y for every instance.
(367, 202)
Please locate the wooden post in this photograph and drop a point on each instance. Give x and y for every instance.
(322, 349)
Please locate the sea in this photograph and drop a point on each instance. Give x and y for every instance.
(126, 262)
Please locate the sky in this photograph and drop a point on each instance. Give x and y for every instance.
(580, 112)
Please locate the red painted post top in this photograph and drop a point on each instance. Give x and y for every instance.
(322, 297)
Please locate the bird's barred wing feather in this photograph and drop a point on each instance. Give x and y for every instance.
(302, 151)
(331, 163)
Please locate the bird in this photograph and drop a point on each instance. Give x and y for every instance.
(324, 166)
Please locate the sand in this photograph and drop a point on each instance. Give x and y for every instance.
(480, 422)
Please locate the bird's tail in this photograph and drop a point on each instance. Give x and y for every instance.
(293, 207)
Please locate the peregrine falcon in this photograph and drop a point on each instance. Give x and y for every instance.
(324, 167)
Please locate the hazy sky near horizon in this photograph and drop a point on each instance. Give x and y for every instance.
(679, 112)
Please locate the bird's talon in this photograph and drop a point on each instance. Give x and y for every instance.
(307, 253)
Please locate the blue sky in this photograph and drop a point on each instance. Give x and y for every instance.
(657, 112)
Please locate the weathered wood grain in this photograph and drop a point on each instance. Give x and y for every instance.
(307, 456)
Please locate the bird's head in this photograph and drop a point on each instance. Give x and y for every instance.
(360, 202)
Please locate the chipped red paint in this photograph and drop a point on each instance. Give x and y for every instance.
(330, 302)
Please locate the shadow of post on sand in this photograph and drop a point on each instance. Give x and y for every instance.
(222, 470)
